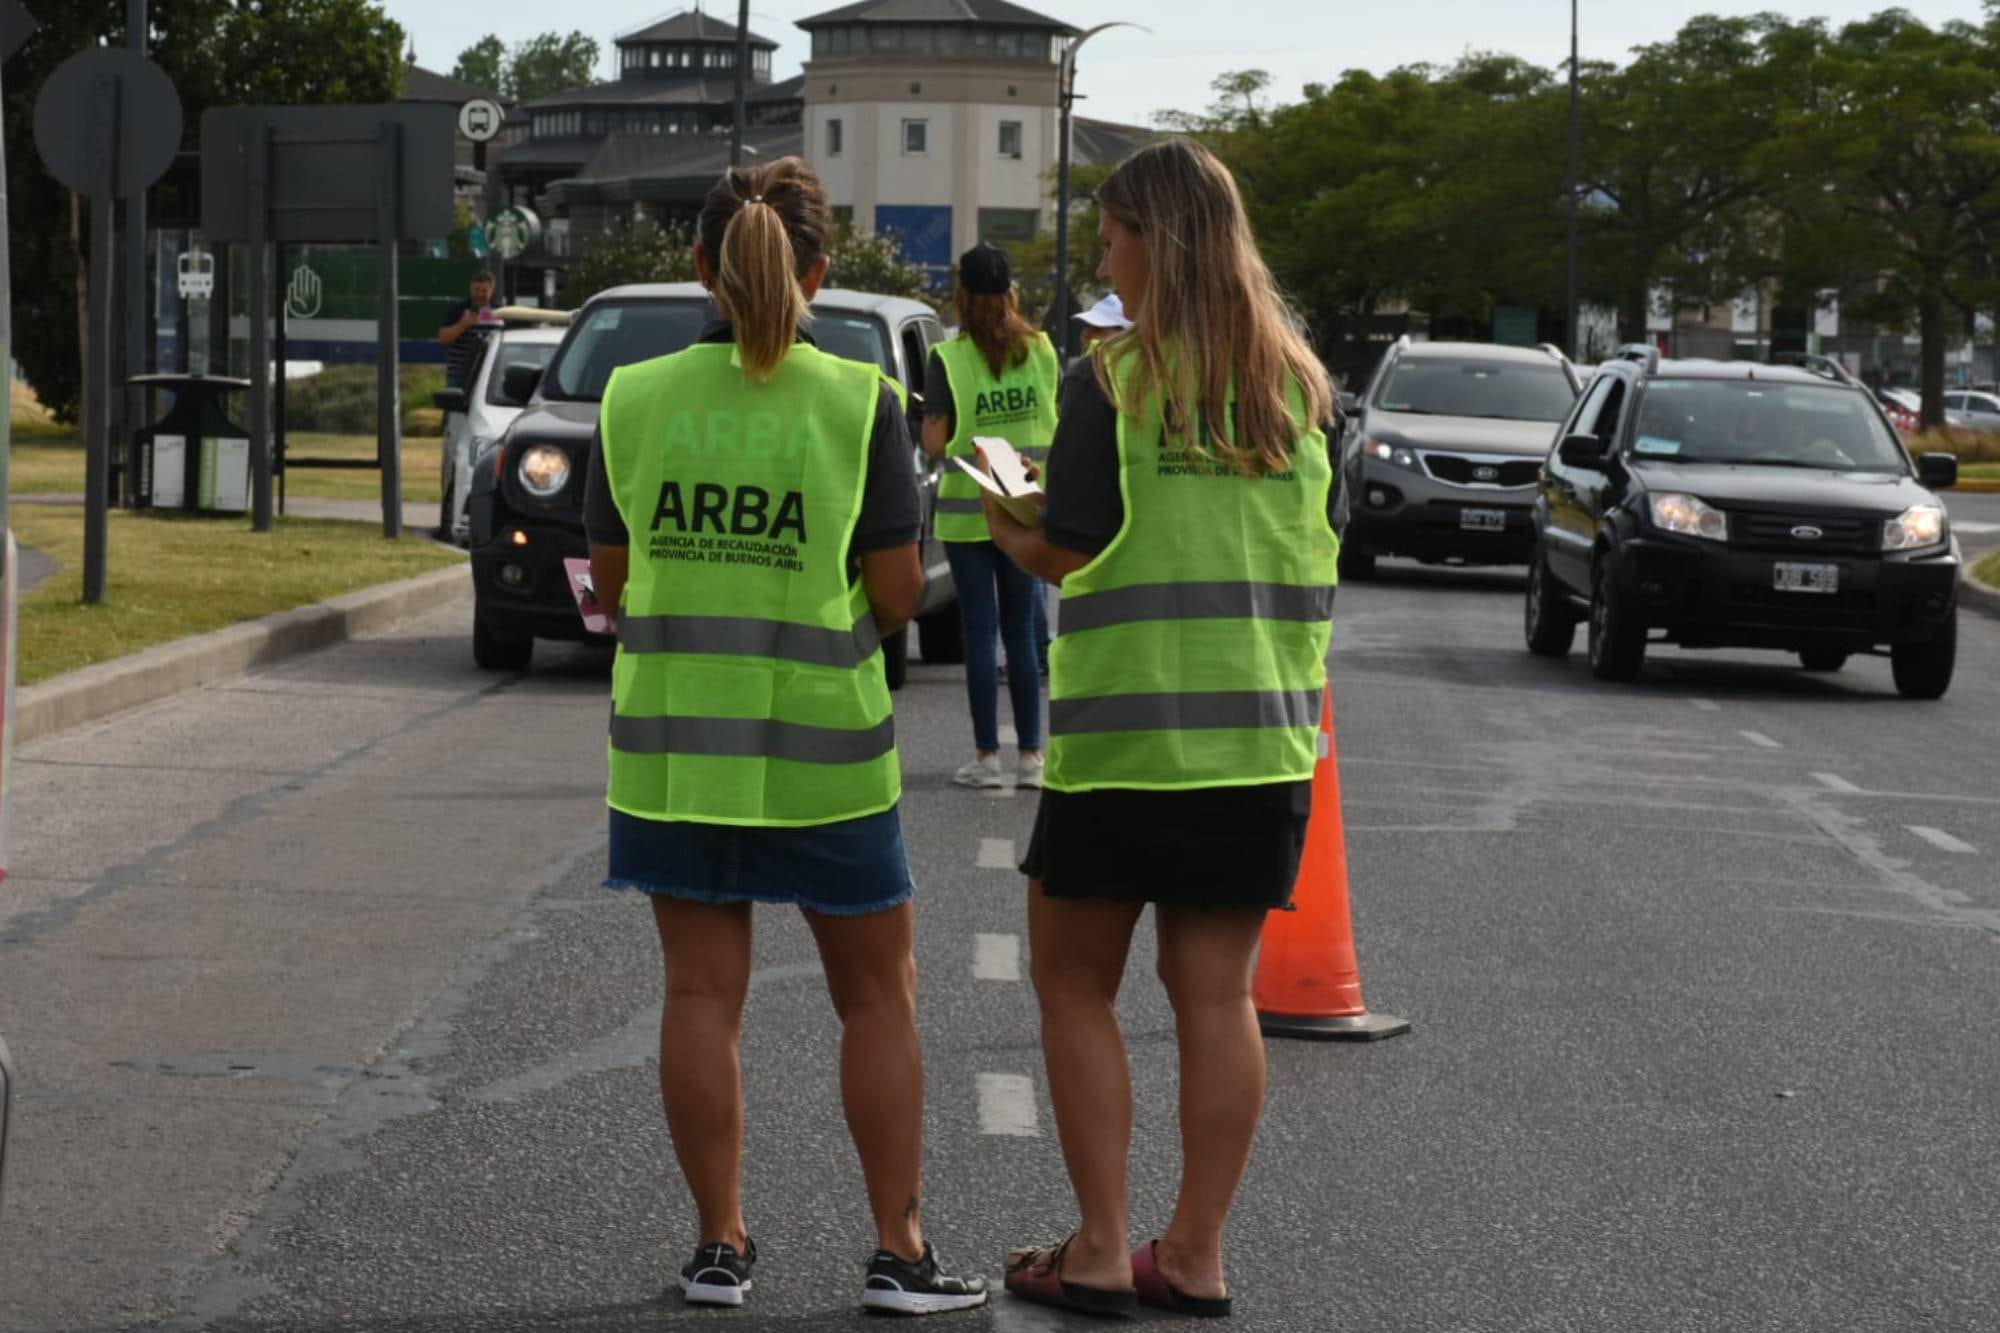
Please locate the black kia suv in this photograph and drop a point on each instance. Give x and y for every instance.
(1440, 463)
(1728, 504)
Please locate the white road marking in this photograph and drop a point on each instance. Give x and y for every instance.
(1009, 736)
(996, 957)
(1758, 738)
(1976, 529)
(996, 854)
(1941, 840)
(1834, 782)
(1007, 1106)
(1706, 705)
(1006, 793)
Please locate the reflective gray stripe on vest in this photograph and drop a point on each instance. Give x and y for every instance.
(751, 738)
(945, 506)
(1195, 601)
(743, 636)
(1185, 712)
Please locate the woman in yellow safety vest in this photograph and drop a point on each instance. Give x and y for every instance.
(996, 378)
(1189, 524)
(753, 518)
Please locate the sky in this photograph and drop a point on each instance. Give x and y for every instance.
(1128, 76)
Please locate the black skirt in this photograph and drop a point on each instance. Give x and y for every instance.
(1210, 847)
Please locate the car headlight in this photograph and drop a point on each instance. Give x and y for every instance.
(544, 471)
(1394, 454)
(1916, 527)
(1689, 516)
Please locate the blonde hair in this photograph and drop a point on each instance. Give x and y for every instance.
(1212, 317)
(764, 227)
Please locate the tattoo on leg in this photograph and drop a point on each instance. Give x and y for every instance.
(910, 1209)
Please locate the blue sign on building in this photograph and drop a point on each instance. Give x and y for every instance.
(925, 233)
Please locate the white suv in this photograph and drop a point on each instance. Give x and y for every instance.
(477, 416)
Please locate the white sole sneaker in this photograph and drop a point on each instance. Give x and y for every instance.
(918, 1303)
(703, 1293)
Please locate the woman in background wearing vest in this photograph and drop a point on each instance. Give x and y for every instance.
(1188, 524)
(753, 518)
(996, 378)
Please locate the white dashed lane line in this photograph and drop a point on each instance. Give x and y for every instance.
(1834, 782)
(1975, 529)
(1760, 740)
(1007, 1106)
(1943, 841)
(996, 854)
(996, 957)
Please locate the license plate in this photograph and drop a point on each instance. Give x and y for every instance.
(1483, 520)
(1805, 578)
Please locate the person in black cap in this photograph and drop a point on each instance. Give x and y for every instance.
(996, 378)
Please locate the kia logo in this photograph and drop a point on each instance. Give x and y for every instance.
(1807, 533)
(1486, 474)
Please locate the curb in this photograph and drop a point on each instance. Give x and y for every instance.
(1978, 486)
(1978, 595)
(160, 672)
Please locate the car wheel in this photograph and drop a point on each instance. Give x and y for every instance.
(940, 637)
(494, 651)
(445, 514)
(1923, 670)
(1822, 659)
(1617, 638)
(896, 657)
(1550, 624)
(1356, 564)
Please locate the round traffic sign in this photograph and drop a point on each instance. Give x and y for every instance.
(512, 230)
(479, 119)
(67, 121)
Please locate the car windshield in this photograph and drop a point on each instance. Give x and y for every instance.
(515, 354)
(618, 334)
(1763, 424)
(1441, 388)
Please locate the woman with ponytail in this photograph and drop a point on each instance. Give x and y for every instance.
(753, 519)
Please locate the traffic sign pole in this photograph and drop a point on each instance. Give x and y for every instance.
(103, 254)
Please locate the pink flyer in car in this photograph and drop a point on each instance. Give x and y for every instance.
(595, 618)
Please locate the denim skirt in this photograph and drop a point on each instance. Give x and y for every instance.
(848, 868)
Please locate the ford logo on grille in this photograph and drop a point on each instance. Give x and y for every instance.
(1486, 474)
(1805, 532)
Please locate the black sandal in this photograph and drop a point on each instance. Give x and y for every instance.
(1036, 1275)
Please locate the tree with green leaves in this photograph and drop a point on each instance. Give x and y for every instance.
(218, 53)
(483, 64)
(550, 64)
(864, 261)
(642, 252)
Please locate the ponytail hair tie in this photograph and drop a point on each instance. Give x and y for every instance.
(753, 199)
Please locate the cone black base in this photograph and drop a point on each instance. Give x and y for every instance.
(1309, 1027)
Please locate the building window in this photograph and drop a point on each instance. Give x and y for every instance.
(1035, 45)
(950, 41)
(918, 38)
(833, 137)
(1010, 139)
(889, 38)
(1009, 45)
(820, 43)
(916, 138)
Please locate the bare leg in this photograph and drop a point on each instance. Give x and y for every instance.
(1078, 949)
(871, 973)
(707, 951)
(1207, 958)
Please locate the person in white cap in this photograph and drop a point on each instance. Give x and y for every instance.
(1104, 320)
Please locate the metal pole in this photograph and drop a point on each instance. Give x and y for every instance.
(1570, 308)
(1065, 81)
(742, 78)
(388, 386)
(260, 315)
(136, 293)
(280, 269)
(103, 261)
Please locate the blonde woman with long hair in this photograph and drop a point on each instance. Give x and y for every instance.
(1189, 524)
(753, 753)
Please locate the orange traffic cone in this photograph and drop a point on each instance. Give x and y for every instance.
(1308, 983)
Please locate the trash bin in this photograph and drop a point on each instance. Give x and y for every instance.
(194, 457)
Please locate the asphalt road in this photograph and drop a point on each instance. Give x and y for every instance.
(326, 1025)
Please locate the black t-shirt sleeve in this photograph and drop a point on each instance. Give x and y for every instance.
(891, 514)
(454, 313)
(602, 523)
(1085, 506)
(938, 401)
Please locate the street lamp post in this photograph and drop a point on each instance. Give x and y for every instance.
(742, 79)
(1571, 308)
(1065, 100)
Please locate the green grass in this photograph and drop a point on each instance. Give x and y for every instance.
(169, 577)
(1980, 471)
(1987, 571)
(1969, 446)
(52, 464)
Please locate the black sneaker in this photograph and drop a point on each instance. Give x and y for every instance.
(718, 1275)
(897, 1286)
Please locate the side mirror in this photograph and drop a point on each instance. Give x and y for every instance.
(449, 400)
(518, 382)
(1349, 404)
(1583, 451)
(1937, 472)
